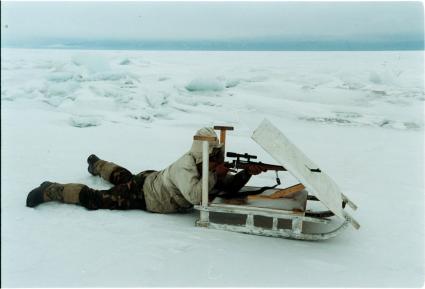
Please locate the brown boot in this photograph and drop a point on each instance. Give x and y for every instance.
(108, 171)
(91, 160)
(98, 167)
(48, 191)
(35, 197)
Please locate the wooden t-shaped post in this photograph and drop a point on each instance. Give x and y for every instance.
(223, 130)
(204, 217)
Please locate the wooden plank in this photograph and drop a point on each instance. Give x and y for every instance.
(281, 193)
(202, 138)
(250, 209)
(223, 127)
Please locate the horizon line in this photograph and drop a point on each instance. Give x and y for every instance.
(220, 45)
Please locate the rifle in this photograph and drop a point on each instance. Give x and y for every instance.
(243, 164)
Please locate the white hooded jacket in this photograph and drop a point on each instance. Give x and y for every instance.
(179, 186)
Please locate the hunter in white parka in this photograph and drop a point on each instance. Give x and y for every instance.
(179, 186)
(174, 189)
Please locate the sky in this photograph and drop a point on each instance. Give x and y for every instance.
(213, 23)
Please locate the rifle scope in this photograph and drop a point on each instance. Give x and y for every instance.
(236, 155)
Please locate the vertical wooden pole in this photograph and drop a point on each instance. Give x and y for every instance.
(223, 130)
(205, 164)
(223, 136)
(204, 214)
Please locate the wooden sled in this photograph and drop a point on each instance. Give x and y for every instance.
(291, 212)
(267, 215)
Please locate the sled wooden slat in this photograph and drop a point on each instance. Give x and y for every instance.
(274, 226)
(257, 211)
(282, 233)
(280, 193)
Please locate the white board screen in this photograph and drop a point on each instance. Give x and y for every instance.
(273, 141)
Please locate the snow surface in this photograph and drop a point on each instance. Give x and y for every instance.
(359, 115)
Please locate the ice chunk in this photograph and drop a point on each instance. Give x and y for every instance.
(157, 100)
(205, 84)
(60, 76)
(125, 61)
(93, 62)
(84, 121)
(108, 76)
(232, 83)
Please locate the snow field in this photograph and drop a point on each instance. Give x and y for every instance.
(358, 115)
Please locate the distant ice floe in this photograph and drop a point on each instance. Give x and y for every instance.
(357, 119)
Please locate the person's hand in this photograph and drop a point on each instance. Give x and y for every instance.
(254, 169)
(221, 170)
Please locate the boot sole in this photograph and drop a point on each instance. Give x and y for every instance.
(35, 197)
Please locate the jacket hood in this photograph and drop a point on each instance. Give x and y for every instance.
(196, 149)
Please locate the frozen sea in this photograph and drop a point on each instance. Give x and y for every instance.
(359, 115)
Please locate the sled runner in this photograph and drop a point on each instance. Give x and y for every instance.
(314, 209)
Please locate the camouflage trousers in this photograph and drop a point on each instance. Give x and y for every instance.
(127, 192)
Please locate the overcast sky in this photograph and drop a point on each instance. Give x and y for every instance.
(211, 20)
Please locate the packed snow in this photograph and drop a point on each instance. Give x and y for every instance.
(359, 115)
